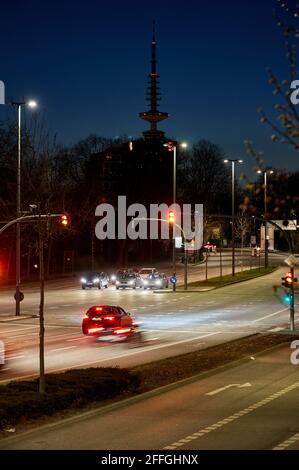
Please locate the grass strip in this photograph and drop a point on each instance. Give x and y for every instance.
(229, 279)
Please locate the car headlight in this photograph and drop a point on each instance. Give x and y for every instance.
(117, 283)
(158, 282)
(145, 281)
(113, 277)
(131, 283)
(96, 279)
(83, 280)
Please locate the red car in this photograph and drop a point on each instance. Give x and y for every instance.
(107, 320)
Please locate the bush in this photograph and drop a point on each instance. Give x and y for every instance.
(71, 389)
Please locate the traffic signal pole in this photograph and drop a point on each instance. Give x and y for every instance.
(292, 301)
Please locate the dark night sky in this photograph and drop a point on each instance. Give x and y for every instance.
(87, 64)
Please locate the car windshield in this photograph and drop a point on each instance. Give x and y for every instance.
(126, 276)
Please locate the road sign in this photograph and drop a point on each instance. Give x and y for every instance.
(291, 260)
(173, 280)
(21, 296)
(178, 242)
(2, 92)
(285, 224)
(253, 239)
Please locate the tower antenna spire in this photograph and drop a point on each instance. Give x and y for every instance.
(153, 116)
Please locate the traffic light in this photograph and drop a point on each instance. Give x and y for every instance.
(64, 220)
(287, 297)
(288, 280)
(171, 217)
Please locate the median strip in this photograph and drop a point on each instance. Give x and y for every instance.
(75, 389)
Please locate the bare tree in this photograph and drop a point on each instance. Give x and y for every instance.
(242, 228)
(285, 126)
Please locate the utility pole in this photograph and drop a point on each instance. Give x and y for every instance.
(174, 202)
(42, 381)
(18, 294)
(233, 162)
(185, 266)
(292, 300)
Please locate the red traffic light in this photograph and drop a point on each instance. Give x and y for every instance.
(288, 280)
(64, 220)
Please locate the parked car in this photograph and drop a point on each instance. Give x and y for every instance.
(92, 279)
(156, 281)
(128, 280)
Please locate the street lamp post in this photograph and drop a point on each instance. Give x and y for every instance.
(233, 162)
(172, 146)
(266, 172)
(18, 105)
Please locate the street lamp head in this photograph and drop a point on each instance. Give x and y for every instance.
(31, 103)
(225, 161)
(240, 161)
(259, 172)
(271, 172)
(184, 145)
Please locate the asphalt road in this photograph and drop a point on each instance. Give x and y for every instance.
(251, 406)
(173, 323)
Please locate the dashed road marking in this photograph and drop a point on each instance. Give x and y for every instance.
(288, 443)
(233, 417)
(62, 349)
(9, 358)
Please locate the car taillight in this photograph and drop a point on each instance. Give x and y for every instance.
(109, 317)
(94, 330)
(99, 309)
(85, 317)
(122, 331)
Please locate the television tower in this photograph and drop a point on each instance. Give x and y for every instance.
(153, 116)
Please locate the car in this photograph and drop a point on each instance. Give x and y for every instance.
(93, 279)
(106, 320)
(156, 281)
(128, 280)
(210, 247)
(145, 272)
(115, 275)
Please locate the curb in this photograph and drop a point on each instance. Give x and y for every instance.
(137, 398)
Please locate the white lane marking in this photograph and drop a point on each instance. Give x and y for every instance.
(6, 368)
(67, 305)
(78, 339)
(20, 329)
(9, 358)
(288, 443)
(219, 390)
(233, 417)
(278, 328)
(52, 308)
(28, 333)
(270, 315)
(62, 349)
